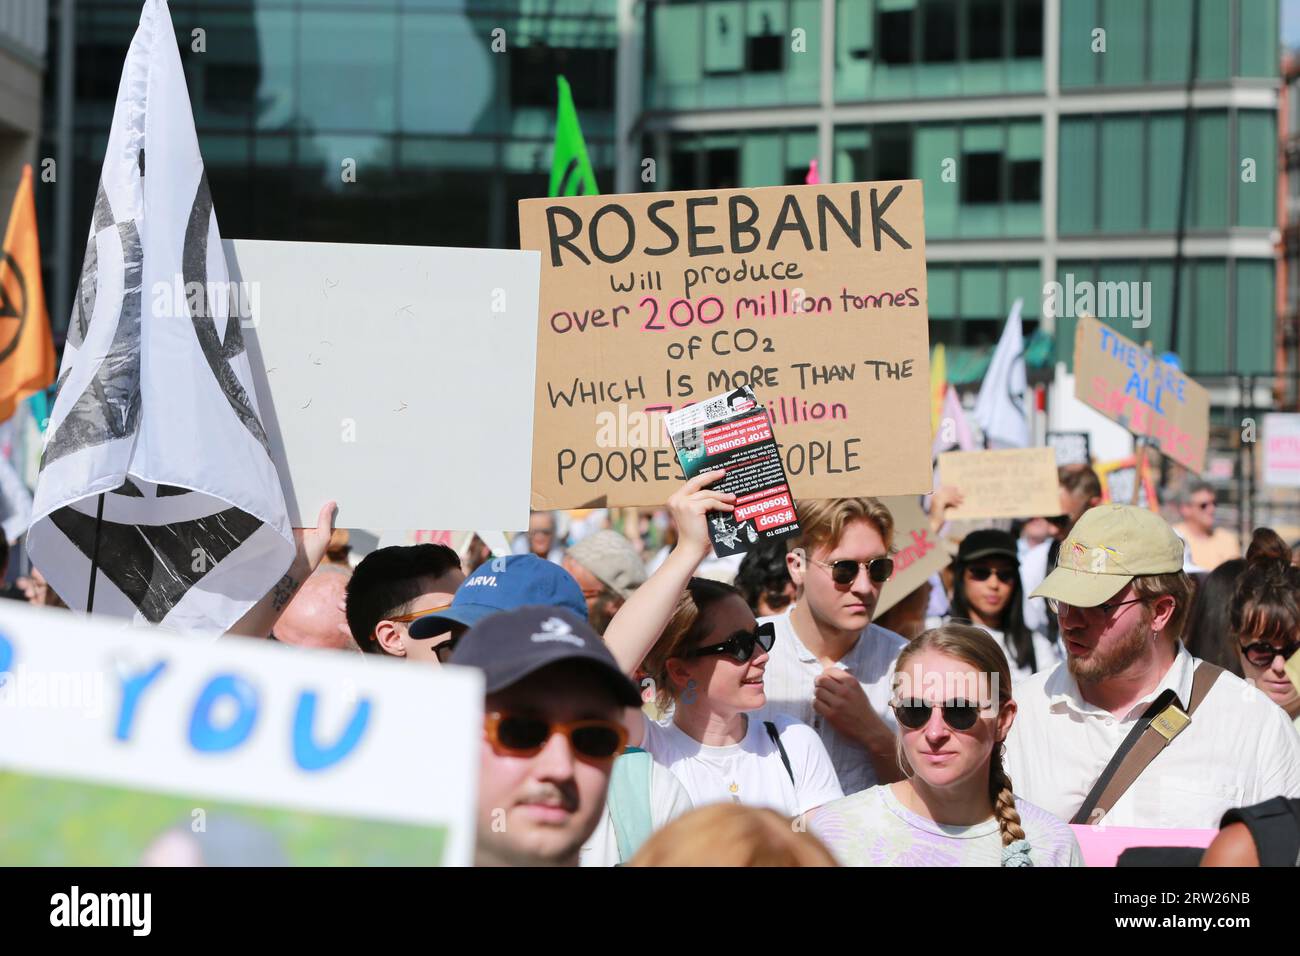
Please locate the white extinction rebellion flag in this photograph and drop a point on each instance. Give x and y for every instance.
(155, 407)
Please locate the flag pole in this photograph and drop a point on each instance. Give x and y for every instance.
(94, 556)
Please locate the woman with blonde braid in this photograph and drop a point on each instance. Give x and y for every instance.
(954, 807)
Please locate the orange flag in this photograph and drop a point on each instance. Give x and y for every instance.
(26, 345)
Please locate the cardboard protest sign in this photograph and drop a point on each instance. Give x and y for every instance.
(733, 432)
(918, 551)
(1281, 450)
(1118, 481)
(397, 380)
(1009, 483)
(1072, 448)
(115, 744)
(1150, 398)
(813, 295)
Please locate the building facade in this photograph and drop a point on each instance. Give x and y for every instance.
(22, 69)
(1055, 139)
(387, 121)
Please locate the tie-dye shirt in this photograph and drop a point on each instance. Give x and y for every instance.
(872, 828)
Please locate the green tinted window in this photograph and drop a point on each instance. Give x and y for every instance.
(1170, 40)
(1255, 167)
(1076, 197)
(1125, 23)
(1254, 317)
(1210, 183)
(1120, 179)
(1257, 38)
(1078, 63)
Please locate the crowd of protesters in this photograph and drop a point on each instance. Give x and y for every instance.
(649, 704)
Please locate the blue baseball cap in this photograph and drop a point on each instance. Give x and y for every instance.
(510, 645)
(504, 584)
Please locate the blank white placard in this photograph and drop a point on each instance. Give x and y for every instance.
(396, 380)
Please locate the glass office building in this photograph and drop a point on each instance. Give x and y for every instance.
(1050, 135)
(387, 121)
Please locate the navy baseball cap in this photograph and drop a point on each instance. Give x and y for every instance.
(510, 645)
(504, 584)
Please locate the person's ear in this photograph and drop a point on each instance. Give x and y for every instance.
(1161, 611)
(1006, 717)
(391, 639)
(794, 563)
(679, 675)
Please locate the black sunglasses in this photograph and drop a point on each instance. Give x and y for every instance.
(981, 572)
(1261, 653)
(443, 650)
(741, 644)
(957, 714)
(845, 572)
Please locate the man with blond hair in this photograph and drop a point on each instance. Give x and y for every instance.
(830, 666)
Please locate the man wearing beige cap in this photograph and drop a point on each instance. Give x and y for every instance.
(1131, 728)
(608, 569)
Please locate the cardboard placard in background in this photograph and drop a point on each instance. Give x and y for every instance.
(1117, 484)
(1009, 483)
(1072, 448)
(1151, 398)
(96, 719)
(396, 380)
(918, 551)
(813, 295)
(1281, 448)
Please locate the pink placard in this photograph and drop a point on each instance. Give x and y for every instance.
(1102, 845)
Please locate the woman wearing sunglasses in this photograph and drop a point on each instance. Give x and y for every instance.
(987, 591)
(954, 806)
(1265, 620)
(705, 653)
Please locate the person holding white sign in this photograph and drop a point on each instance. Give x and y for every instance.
(705, 653)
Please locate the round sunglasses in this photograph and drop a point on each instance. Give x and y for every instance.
(517, 735)
(957, 714)
(845, 572)
(740, 645)
(1262, 653)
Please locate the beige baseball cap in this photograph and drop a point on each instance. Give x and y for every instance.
(1110, 546)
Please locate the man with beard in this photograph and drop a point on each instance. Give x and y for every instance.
(1127, 684)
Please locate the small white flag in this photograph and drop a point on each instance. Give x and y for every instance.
(155, 409)
(1000, 408)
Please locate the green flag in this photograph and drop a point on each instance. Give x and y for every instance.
(571, 173)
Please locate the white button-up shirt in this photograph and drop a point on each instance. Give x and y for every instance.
(789, 679)
(1239, 749)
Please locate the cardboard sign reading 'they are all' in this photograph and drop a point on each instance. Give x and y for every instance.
(815, 296)
(1150, 398)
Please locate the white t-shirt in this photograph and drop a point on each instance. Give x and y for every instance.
(789, 682)
(668, 801)
(1240, 749)
(749, 772)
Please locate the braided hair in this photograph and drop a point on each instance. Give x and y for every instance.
(974, 646)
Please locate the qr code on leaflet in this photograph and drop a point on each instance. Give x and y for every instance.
(717, 408)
